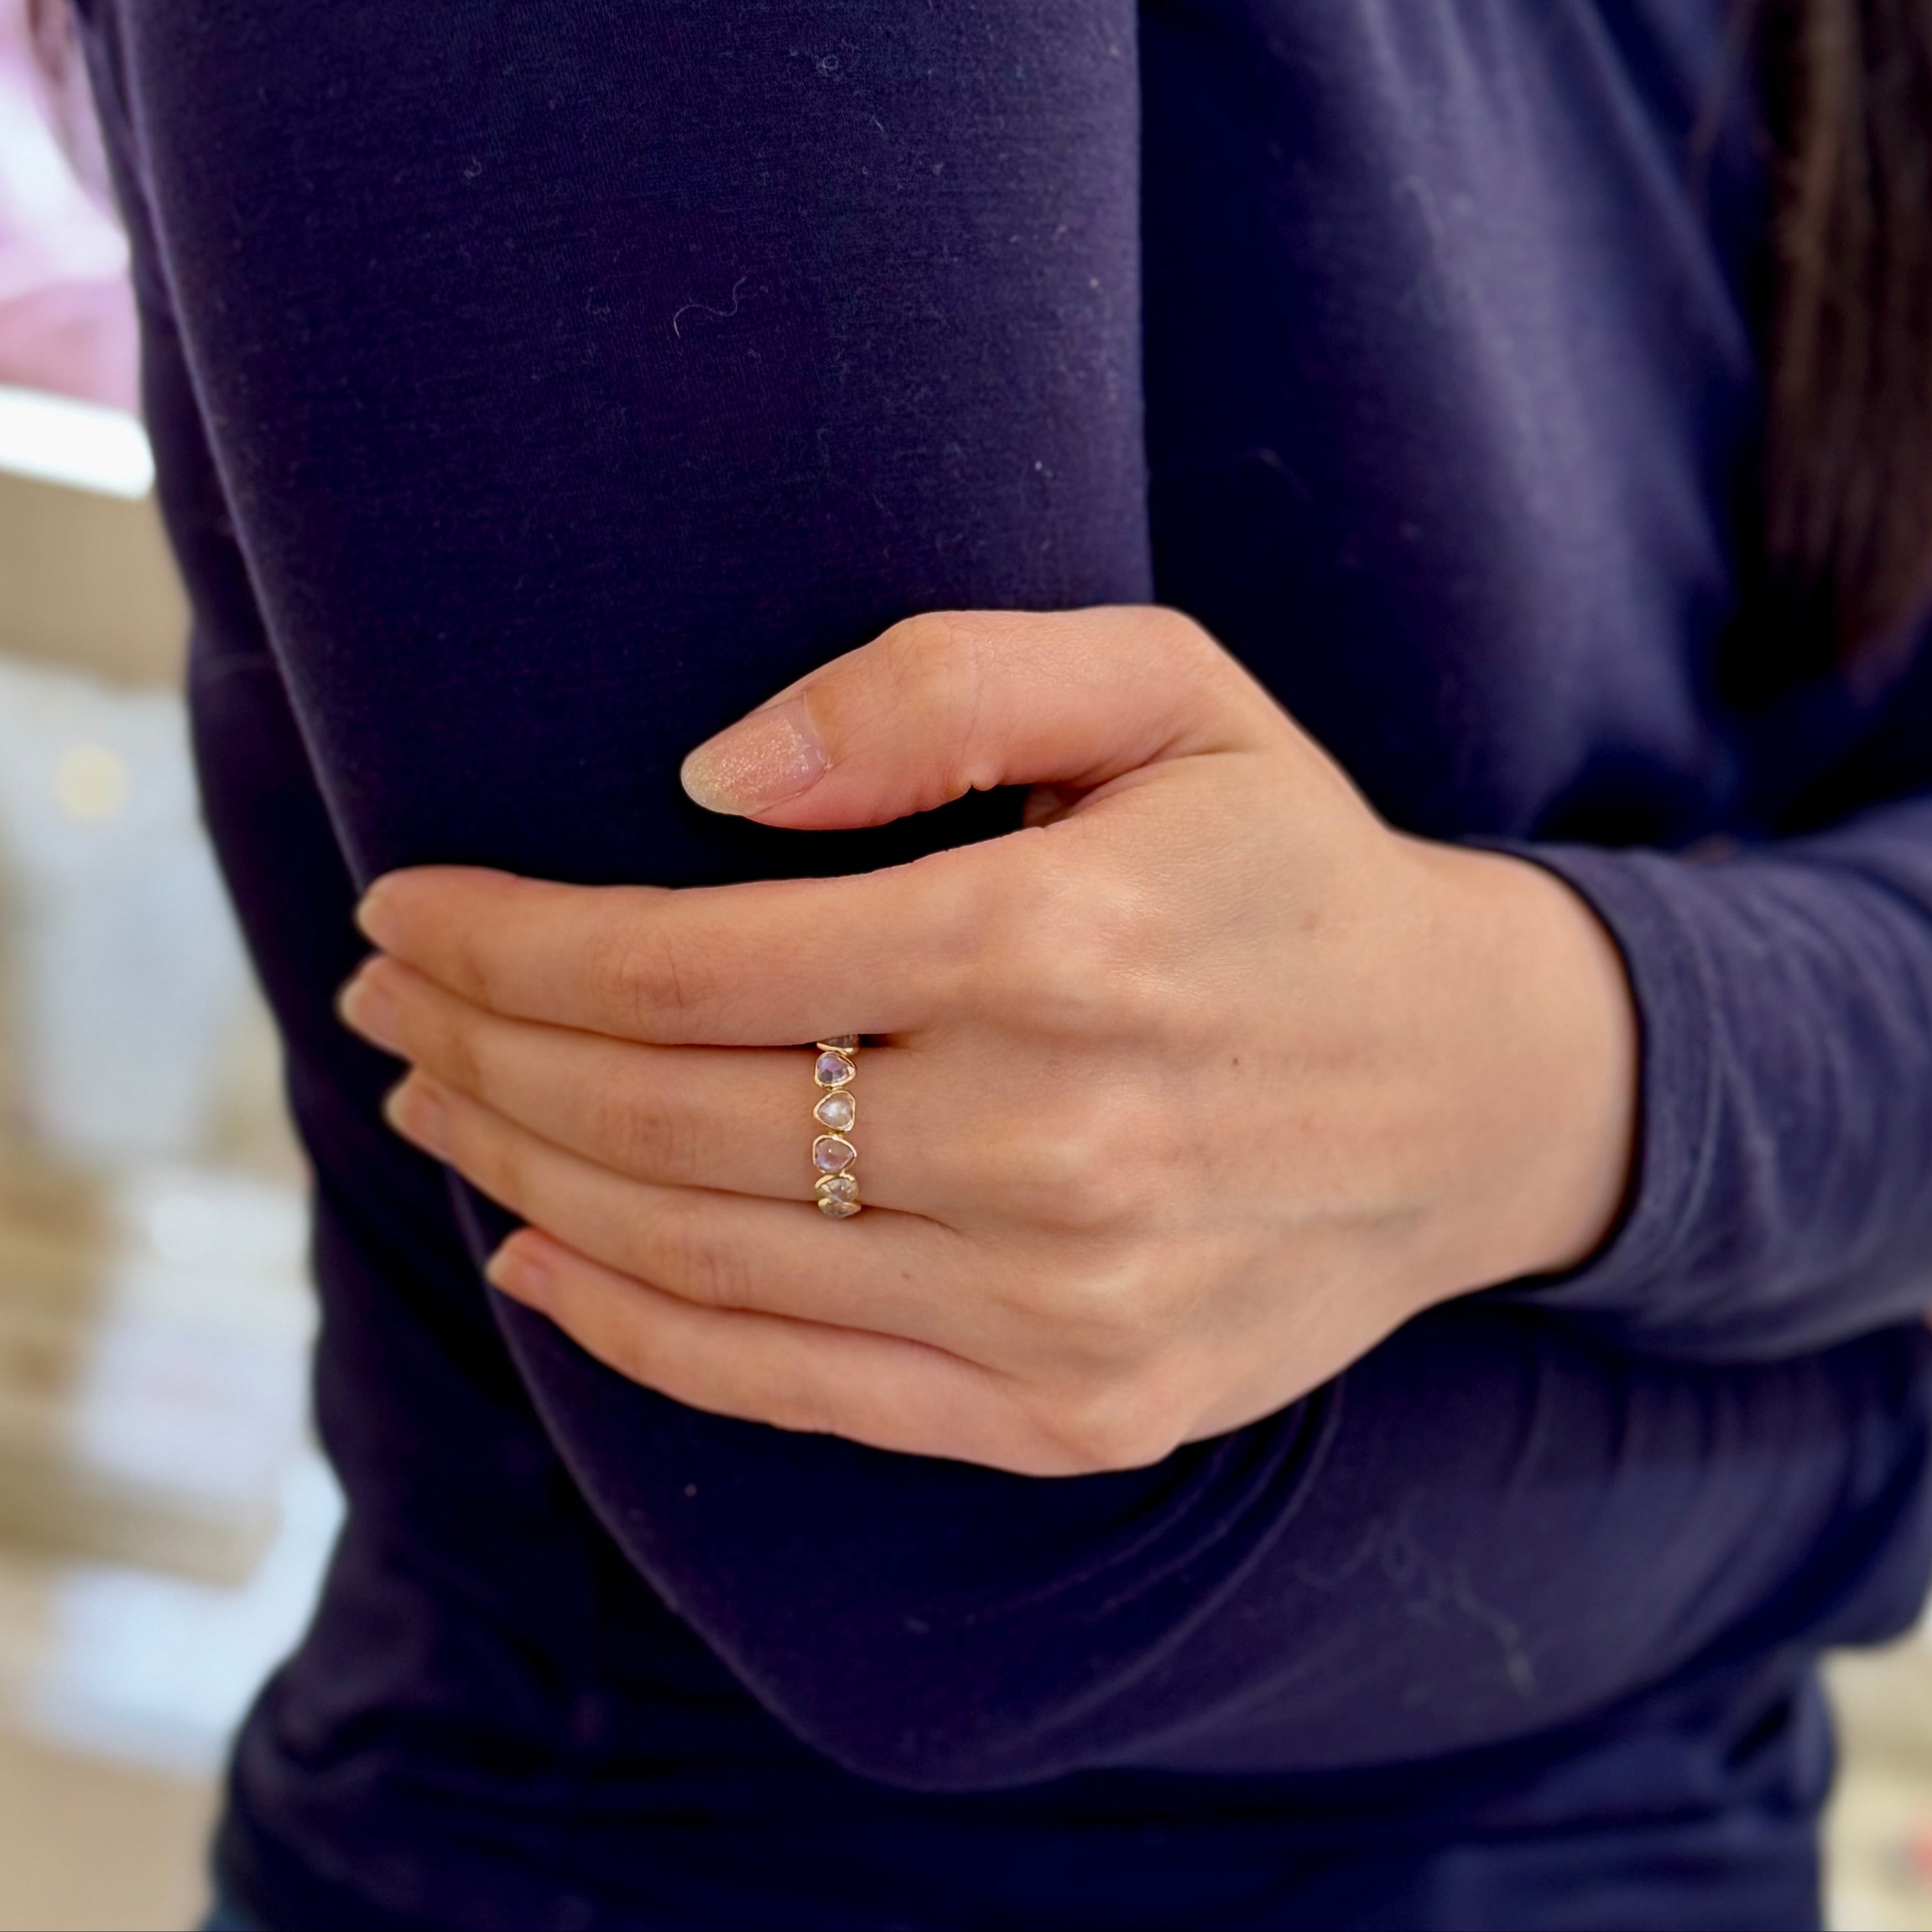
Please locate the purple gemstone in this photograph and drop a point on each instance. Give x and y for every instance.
(833, 1069)
(831, 1155)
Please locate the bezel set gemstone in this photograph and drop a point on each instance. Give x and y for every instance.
(832, 1154)
(836, 1189)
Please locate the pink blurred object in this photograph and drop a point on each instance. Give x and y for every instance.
(67, 314)
(1919, 1854)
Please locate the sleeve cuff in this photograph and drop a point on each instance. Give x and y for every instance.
(1639, 897)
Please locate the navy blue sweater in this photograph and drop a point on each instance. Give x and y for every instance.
(538, 385)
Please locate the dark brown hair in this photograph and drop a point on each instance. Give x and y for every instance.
(1848, 458)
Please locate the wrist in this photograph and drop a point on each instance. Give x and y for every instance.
(1549, 1063)
(1595, 1104)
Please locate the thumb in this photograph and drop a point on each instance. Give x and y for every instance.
(960, 701)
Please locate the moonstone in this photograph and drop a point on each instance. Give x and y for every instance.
(831, 1155)
(837, 1112)
(833, 1069)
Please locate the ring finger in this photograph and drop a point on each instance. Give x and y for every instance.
(888, 1273)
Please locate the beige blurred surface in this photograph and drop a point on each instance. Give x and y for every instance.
(161, 1523)
(88, 1846)
(109, 1836)
(86, 581)
(1879, 1834)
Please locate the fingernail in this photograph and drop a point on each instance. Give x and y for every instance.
(366, 1005)
(761, 761)
(419, 1115)
(516, 1271)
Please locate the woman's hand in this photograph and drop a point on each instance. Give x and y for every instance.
(1177, 1101)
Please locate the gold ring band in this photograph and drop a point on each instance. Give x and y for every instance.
(833, 1156)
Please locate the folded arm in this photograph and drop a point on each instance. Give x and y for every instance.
(781, 332)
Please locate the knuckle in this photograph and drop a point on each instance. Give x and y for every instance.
(1120, 1312)
(652, 980)
(1074, 1170)
(932, 666)
(683, 1253)
(935, 653)
(1080, 1191)
(1181, 632)
(450, 1047)
(1059, 951)
(633, 1342)
(1066, 987)
(943, 900)
(1097, 1315)
(639, 1134)
(472, 968)
(1193, 649)
(1121, 1423)
(496, 1163)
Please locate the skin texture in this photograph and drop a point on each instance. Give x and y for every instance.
(1173, 1104)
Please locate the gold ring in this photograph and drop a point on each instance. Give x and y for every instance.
(833, 1156)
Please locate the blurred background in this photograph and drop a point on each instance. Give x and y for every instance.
(163, 1515)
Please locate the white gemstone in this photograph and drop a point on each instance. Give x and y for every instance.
(836, 1187)
(833, 1069)
(837, 1112)
(831, 1155)
(839, 1210)
(841, 1043)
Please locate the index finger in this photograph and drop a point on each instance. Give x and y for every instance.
(773, 963)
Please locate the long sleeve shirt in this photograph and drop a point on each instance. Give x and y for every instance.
(537, 388)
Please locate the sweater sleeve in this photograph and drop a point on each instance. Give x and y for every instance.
(1433, 1555)
(1785, 995)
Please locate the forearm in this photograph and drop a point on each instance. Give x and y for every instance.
(1432, 1556)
